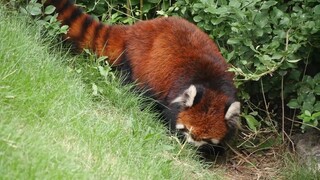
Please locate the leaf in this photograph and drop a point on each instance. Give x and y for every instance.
(146, 8)
(316, 9)
(276, 13)
(234, 29)
(261, 19)
(311, 98)
(49, 9)
(268, 4)
(34, 9)
(293, 60)
(285, 21)
(317, 90)
(305, 118)
(307, 106)
(259, 32)
(295, 75)
(64, 29)
(233, 41)
(316, 78)
(222, 10)
(252, 122)
(234, 3)
(41, 22)
(254, 113)
(102, 71)
(230, 55)
(23, 10)
(198, 5)
(293, 104)
(216, 21)
(307, 113)
(211, 10)
(240, 14)
(282, 72)
(47, 18)
(53, 19)
(197, 18)
(280, 33)
(208, 27)
(102, 58)
(315, 115)
(276, 56)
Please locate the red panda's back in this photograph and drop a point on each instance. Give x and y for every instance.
(168, 51)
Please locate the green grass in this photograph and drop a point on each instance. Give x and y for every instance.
(53, 125)
(295, 171)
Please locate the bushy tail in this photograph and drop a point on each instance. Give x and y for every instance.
(84, 31)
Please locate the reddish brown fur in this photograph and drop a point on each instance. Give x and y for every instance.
(165, 55)
(202, 112)
(157, 50)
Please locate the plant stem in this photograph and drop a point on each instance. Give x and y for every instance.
(141, 9)
(282, 107)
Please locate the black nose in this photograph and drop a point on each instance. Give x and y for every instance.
(180, 135)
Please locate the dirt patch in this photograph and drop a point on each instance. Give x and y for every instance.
(255, 158)
(262, 165)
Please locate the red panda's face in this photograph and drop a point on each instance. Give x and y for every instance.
(206, 121)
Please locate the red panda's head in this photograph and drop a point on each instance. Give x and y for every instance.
(206, 116)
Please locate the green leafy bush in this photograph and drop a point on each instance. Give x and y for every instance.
(308, 92)
(45, 17)
(125, 11)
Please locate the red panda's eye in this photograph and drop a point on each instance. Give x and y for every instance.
(193, 137)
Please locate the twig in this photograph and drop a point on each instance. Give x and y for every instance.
(282, 91)
(282, 108)
(294, 150)
(294, 115)
(264, 100)
(242, 157)
(315, 127)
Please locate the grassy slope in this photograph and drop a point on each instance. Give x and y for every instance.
(50, 127)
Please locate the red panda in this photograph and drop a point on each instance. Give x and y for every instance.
(179, 63)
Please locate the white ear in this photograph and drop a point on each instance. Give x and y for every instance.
(187, 97)
(233, 110)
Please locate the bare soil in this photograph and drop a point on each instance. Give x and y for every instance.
(261, 165)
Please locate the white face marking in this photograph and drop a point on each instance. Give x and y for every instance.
(192, 141)
(180, 126)
(187, 98)
(215, 141)
(234, 109)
